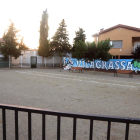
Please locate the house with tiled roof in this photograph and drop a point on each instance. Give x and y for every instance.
(125, 39)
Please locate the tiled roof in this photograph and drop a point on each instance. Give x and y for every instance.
(1, 40)
(118, 26)
(96, 34)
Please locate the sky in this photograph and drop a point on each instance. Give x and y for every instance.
(91, 15)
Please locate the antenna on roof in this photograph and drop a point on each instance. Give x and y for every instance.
(101, 29)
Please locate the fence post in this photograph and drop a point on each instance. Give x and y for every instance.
(21, 61)
(45, 61)
(53, 61)
(4, 123)
(29, 126)
(16, 125)
(9, 61)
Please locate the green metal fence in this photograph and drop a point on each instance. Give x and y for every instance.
(4, 63)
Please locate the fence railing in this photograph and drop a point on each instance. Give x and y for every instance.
(75, 116)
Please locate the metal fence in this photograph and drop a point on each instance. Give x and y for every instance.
(4, 63)
(108, 119)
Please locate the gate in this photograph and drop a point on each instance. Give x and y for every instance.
(33, 61)
(4, 63)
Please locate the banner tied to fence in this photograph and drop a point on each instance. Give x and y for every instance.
(124, 64)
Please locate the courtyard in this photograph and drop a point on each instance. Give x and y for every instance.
(88, 93)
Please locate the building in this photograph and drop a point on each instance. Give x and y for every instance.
(125, 40)
(24, 60)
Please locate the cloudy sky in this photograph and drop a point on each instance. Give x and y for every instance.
(91, 15)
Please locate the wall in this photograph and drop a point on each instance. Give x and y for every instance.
(24, 60)
(95, 39)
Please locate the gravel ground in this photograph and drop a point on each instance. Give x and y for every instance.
(87, 92)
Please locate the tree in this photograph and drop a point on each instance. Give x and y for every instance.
(22, 45)
(59, 43)
(99, 51)
(11, 46)
(43, 41)
(80, 50)
(103, 50)
(136, 55)
(80, 35)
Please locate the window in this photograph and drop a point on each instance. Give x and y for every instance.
(116, 43)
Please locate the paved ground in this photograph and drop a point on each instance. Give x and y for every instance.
(87, 92)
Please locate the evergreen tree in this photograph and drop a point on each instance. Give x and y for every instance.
(43, 41)
(60, 41)
(11, 46)
(80, 35)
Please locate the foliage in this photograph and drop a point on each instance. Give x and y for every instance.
(11, 43)
(80, 35)
(59, 43)
(92, 51)
(43, 41)
(22, 45)
(80, 50)
(136, 55)
(103, 50)
(99, 51)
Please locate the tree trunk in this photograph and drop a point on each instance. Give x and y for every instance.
(10, 61)
(45, 61)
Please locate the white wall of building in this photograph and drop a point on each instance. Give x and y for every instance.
(24, 59)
